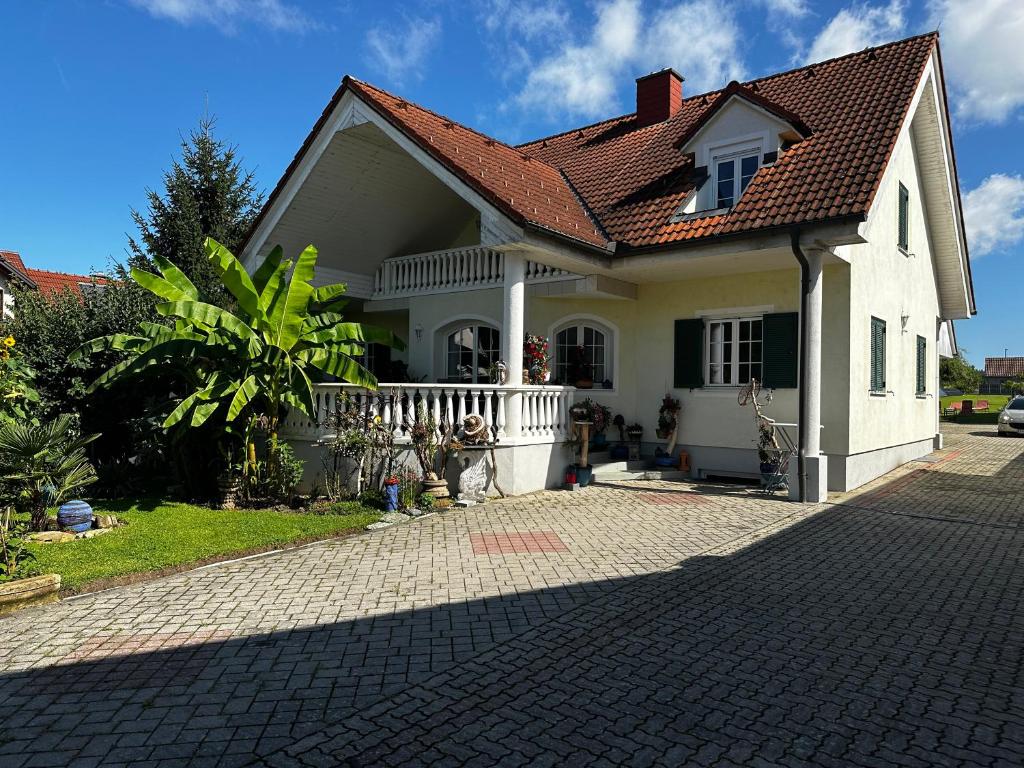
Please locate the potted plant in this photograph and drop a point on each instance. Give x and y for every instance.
(391, 493)
(598, 417)
(535, 360)
(767, 450)
(423, 434)
(668, 416)
(579, 440)
(635, 431)
(21, 584)
(580, 372)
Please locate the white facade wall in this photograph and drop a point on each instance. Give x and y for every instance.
(7, 306)
(890, 285)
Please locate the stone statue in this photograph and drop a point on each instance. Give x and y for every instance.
(473, 481)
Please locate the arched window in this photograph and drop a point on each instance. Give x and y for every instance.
(586, 342)
(469, 351)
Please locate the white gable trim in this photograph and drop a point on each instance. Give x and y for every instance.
(351, 111)
(698, 136)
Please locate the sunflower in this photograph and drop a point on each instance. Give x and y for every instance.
(9, 342)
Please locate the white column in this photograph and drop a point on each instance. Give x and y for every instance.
(815, 464)
(512, 337)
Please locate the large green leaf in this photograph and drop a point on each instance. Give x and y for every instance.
(176, 277)
(248, 390)
(234, 277)
(113, 342)
(341, 366)
(267, 269)
(160, 286)
(201, 313)
(288, 315)
(365, 334)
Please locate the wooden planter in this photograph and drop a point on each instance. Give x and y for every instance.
(22, 593)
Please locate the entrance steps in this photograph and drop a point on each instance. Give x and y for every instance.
(616, 471)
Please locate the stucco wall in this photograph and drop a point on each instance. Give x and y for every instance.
(8, 300)
(888, 284)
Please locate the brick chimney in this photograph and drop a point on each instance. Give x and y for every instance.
(659, 95)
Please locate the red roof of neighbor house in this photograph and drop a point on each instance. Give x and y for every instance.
(54, 282)
(12, 260)
(1004, 366)
(612, 182)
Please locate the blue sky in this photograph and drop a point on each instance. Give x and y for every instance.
(97, 92)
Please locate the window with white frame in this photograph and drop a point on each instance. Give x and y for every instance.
(733, 172)
(586, 342)
(470, 351)
(733, 351)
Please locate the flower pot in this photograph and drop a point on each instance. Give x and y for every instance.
(584, 475)
(618, 452)
(437, 488)
(585, 384)
(75, 516)
(22, 593)
(664, 460)
(599, 442)
(767, 470)
(391, 497)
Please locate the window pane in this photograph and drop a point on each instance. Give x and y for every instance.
(488, 351)
(565, 343)
(748, 167)
(460, 355)
(716, 335)
(726, 175)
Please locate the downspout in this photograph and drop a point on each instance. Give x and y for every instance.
(805, 286)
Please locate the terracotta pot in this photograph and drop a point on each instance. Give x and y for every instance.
(22, 593)
(585, 384)
(437, 488)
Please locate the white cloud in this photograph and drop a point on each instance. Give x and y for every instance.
(400, 51)
(530, 20)
(994, 213)
(857, 27)
(227, 14)
(982, 56)
(793, 8)
(582, 78)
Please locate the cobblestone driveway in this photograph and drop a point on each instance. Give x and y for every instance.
(631, 624)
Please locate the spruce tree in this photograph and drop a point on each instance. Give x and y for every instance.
(206, 194)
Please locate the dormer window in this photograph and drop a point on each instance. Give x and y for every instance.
(733, 173)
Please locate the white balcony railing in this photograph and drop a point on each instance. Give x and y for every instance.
(544, 409)
(459, 269)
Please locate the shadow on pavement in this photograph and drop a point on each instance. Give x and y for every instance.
(853, 637)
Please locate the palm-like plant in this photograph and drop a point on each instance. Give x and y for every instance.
(43, 464)
(253, 362)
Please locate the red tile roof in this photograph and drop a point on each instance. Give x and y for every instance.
(12, 260)
(615, 182)
(54, 282)
(999, 367)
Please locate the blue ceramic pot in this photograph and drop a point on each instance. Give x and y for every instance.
(619, 452)
(391, 495)
(75, 516)
(664, 460)
(584, 475)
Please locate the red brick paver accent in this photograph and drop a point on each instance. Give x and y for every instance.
(509, 543)
(104, 646)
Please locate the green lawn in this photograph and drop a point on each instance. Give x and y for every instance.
(995, 405)
(162, 536)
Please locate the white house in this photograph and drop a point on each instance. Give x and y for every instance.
(12, 272)
(803, 229)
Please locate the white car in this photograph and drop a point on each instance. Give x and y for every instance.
(1011, 418)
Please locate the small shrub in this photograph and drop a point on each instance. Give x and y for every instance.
(426, 502)
(16, 561)
(373, 498)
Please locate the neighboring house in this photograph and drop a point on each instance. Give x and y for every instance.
(998, 371)
(803, 229)
(13, 270)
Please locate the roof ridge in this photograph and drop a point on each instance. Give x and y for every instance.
(65, 274)
(574, 130)
(429, 111)
(745, 83)
(851, 54)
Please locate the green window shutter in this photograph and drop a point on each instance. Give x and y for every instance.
(922, 364)
(877, 355)
(689, 354)
(904, 237)
(779, 350)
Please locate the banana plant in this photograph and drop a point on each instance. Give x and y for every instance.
(252, 363)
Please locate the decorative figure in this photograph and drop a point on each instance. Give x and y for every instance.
(472, 482)
(474, 430)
